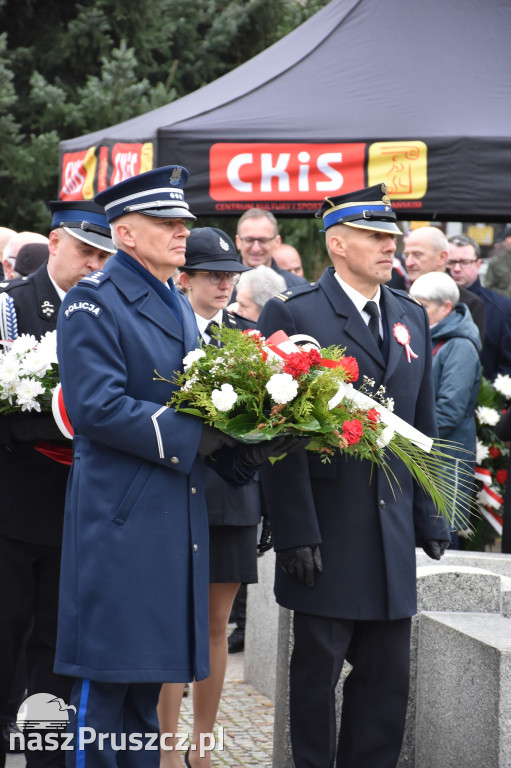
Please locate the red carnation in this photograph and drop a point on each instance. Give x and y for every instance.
(374, 415)
(297, 364)
(350, 366)
(494, 451)
(314, 357)
(352, 431)
(501, 476)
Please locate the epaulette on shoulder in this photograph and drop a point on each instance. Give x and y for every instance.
(298, 290)
(235, 320)
(6, 285)
(95, 279)
(404, 295)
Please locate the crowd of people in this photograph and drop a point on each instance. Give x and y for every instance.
(119, 573)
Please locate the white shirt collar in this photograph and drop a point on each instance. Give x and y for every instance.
(61, 293)
(358, 299)
(202, 324)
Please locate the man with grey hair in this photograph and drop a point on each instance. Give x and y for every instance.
(426, 250)
(12, 247)
(255, 288)
(257, 237)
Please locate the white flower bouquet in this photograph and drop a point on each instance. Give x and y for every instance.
(28, 373)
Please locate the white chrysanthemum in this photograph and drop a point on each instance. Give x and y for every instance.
(224, 398)
(487, 415)
(47, 346)
(482, 452)
(192, 357)
(9, 370)
(35, 363)
(23, 344)
(502, 384)
(282, 387)
(27, 392)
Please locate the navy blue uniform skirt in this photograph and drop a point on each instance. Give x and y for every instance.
(232, 554)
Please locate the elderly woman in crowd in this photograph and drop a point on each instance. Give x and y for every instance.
(457, 375)
(255, 288)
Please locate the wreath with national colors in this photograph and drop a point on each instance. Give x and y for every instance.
(492, 454)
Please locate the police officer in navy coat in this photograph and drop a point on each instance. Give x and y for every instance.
(133, 609)
(345, 539)
(33, 486)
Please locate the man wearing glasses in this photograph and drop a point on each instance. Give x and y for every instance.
(257, 239)
(426, 250)
(464, 263)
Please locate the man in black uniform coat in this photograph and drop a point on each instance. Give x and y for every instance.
(34, 486)
(345, 540)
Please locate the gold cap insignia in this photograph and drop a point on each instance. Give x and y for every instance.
(175, 177)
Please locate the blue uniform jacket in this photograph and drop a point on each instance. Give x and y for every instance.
(134, 580)
(367, 529)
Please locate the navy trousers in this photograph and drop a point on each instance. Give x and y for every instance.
(126, 713)
(375, 694)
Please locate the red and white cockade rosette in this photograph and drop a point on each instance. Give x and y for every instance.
(402, 336)
(280, 345)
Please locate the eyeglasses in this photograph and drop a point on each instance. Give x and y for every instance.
(215, 278)
(263, 241)
(459, 263)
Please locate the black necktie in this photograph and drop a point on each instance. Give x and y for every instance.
(211, 329)
(374, 320)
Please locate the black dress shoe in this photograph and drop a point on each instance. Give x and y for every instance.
(236, 640)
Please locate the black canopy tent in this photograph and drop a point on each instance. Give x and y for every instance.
(416, 94)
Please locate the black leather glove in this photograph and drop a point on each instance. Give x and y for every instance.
(32, 428)
(302, 562)
(435, 549)
(212, 440)
(256, 454)
(265, 539)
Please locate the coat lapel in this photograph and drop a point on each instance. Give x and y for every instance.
(145, 300)
(394, 313)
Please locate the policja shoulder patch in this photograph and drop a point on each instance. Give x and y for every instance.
(83, 306)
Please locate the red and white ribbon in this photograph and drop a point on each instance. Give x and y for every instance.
(490, 498)
(493, 518)
(60, 414)
(402, 336)
(482, 474)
